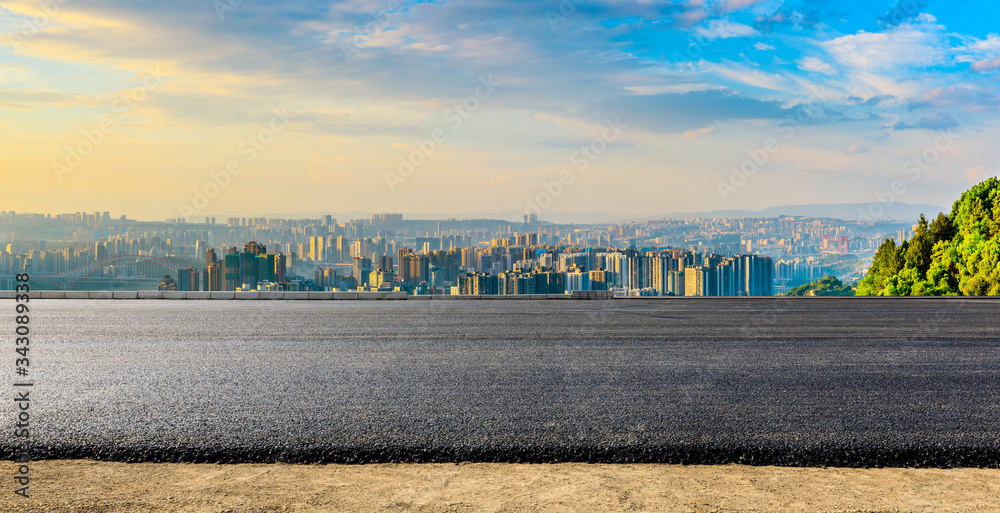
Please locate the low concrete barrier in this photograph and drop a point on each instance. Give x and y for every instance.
(592, 294)
(315, 296)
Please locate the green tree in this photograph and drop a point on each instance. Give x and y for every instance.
(918, 253)
(828, 286)
(941, 229)
(888, 261)
(956, 254)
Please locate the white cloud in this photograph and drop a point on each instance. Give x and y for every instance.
(816, 65)
(746, 75)
(975, 48)
(905, 45)
(984, 54)
(855, 149)
(764, 47)
(722, 29)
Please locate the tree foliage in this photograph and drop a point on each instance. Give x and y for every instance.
(829, 286)
(957, 254)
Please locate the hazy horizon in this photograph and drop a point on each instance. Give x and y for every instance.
(896, 211)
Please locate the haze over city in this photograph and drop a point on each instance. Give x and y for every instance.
(630, 108)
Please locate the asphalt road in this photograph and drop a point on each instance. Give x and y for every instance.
(839, 382)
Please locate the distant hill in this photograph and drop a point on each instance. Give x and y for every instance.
(847, 211)
(830, 210)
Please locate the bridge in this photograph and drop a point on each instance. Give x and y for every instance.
(67, 279)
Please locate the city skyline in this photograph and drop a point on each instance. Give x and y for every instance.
(389, 253)
(630, 108)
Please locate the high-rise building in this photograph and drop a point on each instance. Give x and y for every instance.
(675, 283)
(212, 280)
(187, 279)
(362, 270)
(417, 268)
(695, 282)
(317, 248)
(577, 280)
(598, 280)
(756, 275)
(385, 263)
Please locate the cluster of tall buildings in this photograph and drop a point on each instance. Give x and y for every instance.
(37, 257)
(253, 268)
(386, 252)
(650, 272)
(509, 266)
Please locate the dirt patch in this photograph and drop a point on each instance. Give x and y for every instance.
(89, 486)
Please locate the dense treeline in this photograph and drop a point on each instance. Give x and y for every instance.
(829, 286)
(957, 254)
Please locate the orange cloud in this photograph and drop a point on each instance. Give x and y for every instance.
(698, 134)
(979, 173)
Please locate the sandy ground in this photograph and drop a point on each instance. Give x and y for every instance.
(105, 487)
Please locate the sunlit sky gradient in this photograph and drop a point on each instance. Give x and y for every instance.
(696, 84)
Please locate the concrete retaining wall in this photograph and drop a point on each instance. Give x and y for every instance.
(340, 296)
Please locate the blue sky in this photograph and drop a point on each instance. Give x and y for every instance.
(819, 102)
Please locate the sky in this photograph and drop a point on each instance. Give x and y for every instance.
(200, 108)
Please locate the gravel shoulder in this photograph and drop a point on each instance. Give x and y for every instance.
(90, 486)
